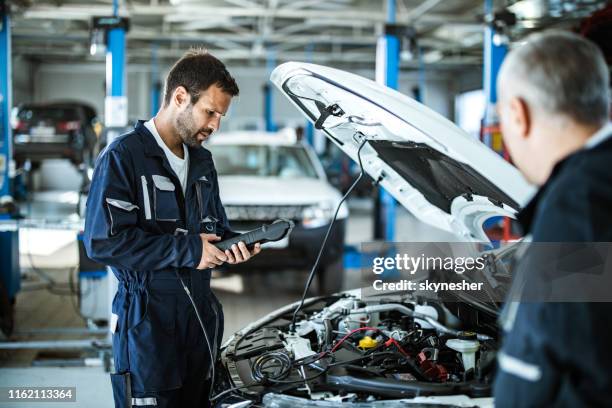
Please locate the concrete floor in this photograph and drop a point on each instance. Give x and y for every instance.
(55, 252)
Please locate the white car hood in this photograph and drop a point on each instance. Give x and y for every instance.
(437, 171)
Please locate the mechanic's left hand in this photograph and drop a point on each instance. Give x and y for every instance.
(240, 253)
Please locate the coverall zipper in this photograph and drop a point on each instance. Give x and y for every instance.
(213, 346)
(200, 201)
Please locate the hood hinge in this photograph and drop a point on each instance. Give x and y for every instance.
(326, 112)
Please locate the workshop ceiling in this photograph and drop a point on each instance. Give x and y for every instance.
(447, 34)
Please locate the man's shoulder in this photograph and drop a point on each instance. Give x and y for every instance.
(575, 205)
(203, 152)
(201, 155)
(127, 144)
(586, 171)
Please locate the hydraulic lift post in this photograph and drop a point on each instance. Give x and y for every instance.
(309, 129)
(269, 95)
(9, 240)
(156, 84)
(494, 52)
(387, 72)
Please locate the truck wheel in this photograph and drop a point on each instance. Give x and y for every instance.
(331, 278)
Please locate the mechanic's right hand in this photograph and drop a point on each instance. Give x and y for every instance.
(211, 255)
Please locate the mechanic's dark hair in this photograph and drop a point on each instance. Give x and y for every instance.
(196, 71)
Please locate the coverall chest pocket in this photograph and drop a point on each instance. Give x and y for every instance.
(164, 199)
(207, 215)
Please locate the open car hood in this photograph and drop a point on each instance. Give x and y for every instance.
(438, 172)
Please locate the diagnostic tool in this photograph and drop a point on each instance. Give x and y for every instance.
(276, 231)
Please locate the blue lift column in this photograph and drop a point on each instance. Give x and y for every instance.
(9, 240)
(387, 72)
(494, 54)
(115, 103)
(155, 82)
(309, 130)
(269, 95)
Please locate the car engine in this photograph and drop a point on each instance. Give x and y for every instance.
(347, 349)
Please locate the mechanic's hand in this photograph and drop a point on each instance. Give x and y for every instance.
(211, 255)
(240, 253)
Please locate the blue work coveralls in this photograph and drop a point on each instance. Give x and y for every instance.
(559, 354)
(139, 222)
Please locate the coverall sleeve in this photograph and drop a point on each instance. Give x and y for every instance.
(558, 353)
(112, 235)
(568, 216)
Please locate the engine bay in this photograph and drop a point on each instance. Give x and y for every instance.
(347, 349)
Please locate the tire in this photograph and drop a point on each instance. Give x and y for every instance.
(331, 278)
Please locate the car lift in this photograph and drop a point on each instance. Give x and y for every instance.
(268, 94)
(494, 52)
(387, 73)
(9, 240)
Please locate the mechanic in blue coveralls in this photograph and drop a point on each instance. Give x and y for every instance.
(154, 212)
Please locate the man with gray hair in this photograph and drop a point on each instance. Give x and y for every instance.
(554, 108)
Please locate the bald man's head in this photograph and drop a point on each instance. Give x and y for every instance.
(553, 82)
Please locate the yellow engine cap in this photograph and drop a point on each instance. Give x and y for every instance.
(367, 343)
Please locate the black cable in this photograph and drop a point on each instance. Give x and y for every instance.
(367, 356)
(276, 357)
(316, 264)
(301, 361)
(302, 380)
(230, 390)
(212, 356)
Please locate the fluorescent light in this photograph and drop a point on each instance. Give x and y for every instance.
(432, 56)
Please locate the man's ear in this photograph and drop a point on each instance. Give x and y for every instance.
(180, 96)
(521, 116)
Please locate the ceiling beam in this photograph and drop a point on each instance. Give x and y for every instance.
(420, 10)
(156, 36)
(367, 57)
(85, 12)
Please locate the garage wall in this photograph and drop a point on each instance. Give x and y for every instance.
(86, 82)
(23, 81)
(467, 81)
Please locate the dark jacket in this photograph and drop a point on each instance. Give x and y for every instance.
(140, 224)
(560, 354)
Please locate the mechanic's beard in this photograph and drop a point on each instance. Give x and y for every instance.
(186, 127)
